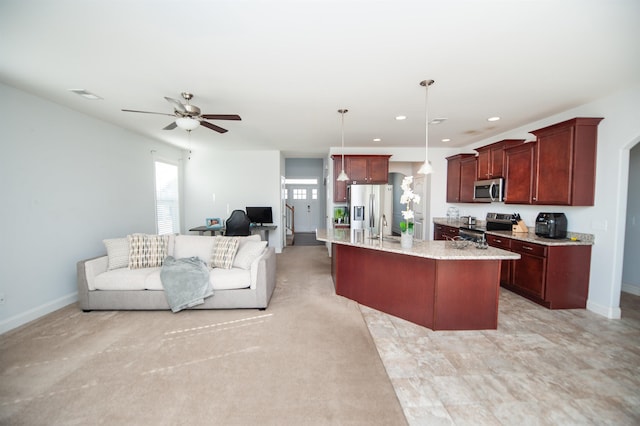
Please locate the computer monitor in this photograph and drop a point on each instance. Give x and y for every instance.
(260, 215)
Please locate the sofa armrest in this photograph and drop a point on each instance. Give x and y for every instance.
(265, 277)
(88, 269)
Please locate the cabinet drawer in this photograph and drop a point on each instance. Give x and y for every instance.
(529, 248)
(500, 242)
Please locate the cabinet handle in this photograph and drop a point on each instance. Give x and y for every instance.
(498, 241)
(527, 248)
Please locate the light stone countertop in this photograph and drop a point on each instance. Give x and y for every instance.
(573, 238)
(441, 250)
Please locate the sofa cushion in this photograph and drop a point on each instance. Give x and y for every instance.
(118, 252)
(123, 279)
(247, 253)
(193, 246)
(153, 281)
(224, 251)
(229, 279)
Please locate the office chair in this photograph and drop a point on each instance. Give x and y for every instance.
(238, 224)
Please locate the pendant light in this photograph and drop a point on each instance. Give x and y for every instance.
(342, 177)
(426, 168)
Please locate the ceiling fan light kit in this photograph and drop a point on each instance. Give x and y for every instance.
(187, 123)
(342, 177)
(426, 168)
(189, 116)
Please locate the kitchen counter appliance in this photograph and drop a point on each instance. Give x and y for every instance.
(551, 225)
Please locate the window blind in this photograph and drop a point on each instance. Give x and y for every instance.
(167, 198)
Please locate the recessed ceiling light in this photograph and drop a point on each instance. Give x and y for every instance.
(85, 94)
(377, 139)
(438, 120)
(493, 118)
(446, 140)
(401, 117)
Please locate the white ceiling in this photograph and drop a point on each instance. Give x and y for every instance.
(286, 67)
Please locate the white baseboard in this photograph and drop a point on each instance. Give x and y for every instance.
(631, 288)
(605, 311)
(37, 312)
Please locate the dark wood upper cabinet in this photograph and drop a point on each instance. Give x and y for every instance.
(519, 164)
(361, 169)
(559, 168)
(455, 183)
(491, 158)
(468, 166)
(367, 169)
(565, 172)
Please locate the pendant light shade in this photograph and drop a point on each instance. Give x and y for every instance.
(342, 177)
(426, 168)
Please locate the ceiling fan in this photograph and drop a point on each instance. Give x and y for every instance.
(189, 117)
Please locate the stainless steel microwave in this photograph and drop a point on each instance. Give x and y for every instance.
(488, 190)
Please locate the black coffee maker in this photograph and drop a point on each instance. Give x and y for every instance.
(551, 225)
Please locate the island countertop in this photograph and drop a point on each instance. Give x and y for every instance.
(440, 250)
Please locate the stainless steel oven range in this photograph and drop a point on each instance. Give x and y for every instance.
(493, 222)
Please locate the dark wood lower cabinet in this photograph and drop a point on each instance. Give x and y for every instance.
(507, 265)
(554, 276)
(444, 232)
(438, 294)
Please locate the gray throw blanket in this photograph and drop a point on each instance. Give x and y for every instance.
(185, 282)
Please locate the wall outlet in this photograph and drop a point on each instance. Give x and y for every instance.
(1, 298)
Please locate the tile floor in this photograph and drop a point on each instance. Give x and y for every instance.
(540, 367)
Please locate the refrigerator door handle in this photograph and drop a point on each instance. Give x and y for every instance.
(372, 220)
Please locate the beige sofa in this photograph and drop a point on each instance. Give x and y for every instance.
(110, 283)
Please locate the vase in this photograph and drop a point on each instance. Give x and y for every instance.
(406, 239)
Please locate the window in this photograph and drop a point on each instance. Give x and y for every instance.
(314, 194)
(167, 200)
(299, 194)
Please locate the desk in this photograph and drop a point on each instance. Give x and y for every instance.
(263, 230)
(202, 229)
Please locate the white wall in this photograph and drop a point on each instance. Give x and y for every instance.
(617, 133)
(68, 182)
(238, 179)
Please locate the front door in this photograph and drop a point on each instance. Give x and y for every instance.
(304, 198)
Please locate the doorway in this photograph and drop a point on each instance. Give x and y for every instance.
(630, 266)
(305, 192)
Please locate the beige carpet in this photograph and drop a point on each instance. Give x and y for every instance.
(308, 359)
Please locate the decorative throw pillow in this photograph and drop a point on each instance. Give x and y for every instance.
(117, 252)
(147, 251)
(224, 250)
(247, 253)
(136, 250)
(156, 249)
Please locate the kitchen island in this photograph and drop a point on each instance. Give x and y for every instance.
(431, 284)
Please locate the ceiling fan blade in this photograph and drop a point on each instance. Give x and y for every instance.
(221, 116)
(148, 112)
(213, 127)
(170, 126)
(176, 104)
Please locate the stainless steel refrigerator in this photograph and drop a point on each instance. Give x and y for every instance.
(370, 209)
